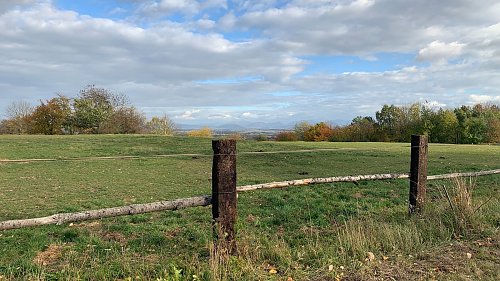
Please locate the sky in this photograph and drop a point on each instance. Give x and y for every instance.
(213, 62)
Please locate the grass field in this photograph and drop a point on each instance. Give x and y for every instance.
(320, 232)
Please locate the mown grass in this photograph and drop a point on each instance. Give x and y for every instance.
(319, 232)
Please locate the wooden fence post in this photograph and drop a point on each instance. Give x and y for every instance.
(224, 193)
(418, 173)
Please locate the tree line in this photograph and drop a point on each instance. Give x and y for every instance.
(100, 111)
(462, 125)
(94, 111)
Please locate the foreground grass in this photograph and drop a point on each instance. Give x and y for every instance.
(321, 232)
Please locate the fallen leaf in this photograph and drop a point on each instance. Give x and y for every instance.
(370, 256)
(289, 279)
(273, 271)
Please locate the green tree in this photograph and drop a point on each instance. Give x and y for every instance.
(463, 114)
(409, 122)
(477, 129)
(445, 127)
(92, 107)
(388, 119)
(362, 129)
(472, 124)
(492, 115)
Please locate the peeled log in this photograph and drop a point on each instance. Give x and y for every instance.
(282, 184)
(321, 180)
(109, 212)
(467, 174)
(207, 200)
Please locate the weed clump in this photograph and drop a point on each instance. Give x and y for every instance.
(462, 213)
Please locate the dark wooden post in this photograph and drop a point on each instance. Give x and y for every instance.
(418, 173)
(224, 193)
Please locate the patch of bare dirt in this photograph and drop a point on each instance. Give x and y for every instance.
(357, 195)
(173, 233)
(113, 237)
(49, 256)
(88, 224)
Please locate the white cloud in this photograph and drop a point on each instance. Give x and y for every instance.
(365, 27)
(434, 104)
(219, 116)
(484, 99)
(159, 63)
(227, 22)
(440, 52)
(188, 115)
(249, 115)
(205, 24)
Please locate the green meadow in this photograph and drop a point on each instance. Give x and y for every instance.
(317, 232)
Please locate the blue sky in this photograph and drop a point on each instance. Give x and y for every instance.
(211, 62)
(96, 8)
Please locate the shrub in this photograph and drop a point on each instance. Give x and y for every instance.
(236, 136)
(161, 126)
(204, 132)
(462, 211)
(261, 137)
(286, 136)
(301, 128)
(319, 132)
(124, 120)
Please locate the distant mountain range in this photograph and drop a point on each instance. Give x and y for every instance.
(239, 127)
(248, 126)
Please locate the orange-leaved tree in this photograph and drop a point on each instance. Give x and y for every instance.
(319, 132)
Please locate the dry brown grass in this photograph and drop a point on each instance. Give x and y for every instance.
(49, 256)
(462, 208)
(461, 260)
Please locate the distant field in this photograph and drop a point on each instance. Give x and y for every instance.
(145, 245)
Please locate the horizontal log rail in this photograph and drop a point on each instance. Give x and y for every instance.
(309, 181)
(207, 200)
(465, 174)
(109, 212)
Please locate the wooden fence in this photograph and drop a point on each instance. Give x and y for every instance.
(224, 190)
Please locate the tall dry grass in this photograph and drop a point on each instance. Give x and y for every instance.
(462, 211)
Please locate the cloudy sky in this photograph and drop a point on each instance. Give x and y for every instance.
(212, 62)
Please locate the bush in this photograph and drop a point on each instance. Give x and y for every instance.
(319, 132)
(161, 126)
(4, 127)
(286, 136)
(236, 136)
(261, 137)
(124, 120)
(463, 213)
(204, 132)
(301, 128)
